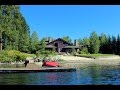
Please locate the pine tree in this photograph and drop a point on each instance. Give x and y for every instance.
(42, 45)
(24, 36)
(15, 32)
(109, 45)
(103, 41)
(114, 45)
(80, 41)
(86, 41)
(1, 29)
(67, 39)
(94, 43)
(118, 45)
(34, 42)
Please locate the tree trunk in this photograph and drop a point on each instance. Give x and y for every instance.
(1, 43)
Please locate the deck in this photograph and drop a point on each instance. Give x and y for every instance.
(33, 68)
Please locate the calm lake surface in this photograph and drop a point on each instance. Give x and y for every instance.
(85, 75)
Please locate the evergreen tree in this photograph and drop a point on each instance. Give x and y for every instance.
(67, 39)
(94, 43)
(1, 29)
(34, 42)
(103, 41)
(86, 41)
(80, 41)
(42, 45)
(15, 31)
(118, 45)
(109, 45)
(24, 36)
(114, 45)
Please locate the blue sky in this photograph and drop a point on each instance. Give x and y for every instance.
(76, 21)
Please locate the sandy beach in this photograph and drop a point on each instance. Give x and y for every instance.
(108, 60)
(75, 60)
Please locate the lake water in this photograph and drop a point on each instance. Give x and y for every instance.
(85, 75)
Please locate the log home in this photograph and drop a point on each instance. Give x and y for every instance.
(60, 45)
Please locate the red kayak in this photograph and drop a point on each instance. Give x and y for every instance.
(50, 64)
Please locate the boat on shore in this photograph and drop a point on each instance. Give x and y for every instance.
(47, 66)
(50, 64)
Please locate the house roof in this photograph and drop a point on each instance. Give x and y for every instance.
(73, 46)
(60, 40)
(50, 46)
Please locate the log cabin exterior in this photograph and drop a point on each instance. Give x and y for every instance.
(60, 45)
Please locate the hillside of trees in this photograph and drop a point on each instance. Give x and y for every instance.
(14, 30)
(15, 35)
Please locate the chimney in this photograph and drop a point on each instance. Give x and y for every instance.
(49, 39)
(76, 43)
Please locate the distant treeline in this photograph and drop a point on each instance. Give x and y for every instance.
(15, 35)
(105, 44)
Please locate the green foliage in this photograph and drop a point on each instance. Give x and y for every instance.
(80, 41)
(118, 45)
(67, 39)
(86, 41)
(14, 28)
(4, 58)
(103, 38)
(13, 55)
(45, 53)
(114, 45)
(108, 45)
(42, 45)
(94, 43)
(103, 41)
(84, 50)
(34, 41)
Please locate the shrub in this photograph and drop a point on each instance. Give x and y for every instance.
(84, 51)
(13, 55)
(4, 58)
(45, 53)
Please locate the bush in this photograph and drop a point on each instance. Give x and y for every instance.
(13, 55)
(84, 51)
(45, 53)
(4, 58)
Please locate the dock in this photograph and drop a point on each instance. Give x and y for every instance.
(33, 68)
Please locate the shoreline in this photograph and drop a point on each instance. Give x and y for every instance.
(108, 60)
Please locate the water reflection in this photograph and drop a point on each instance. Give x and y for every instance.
(85, 75)
(13, 79)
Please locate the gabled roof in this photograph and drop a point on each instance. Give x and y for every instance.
(73, 46)
(60, 40)
(50, 46)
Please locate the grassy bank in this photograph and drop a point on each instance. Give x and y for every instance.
(94, 55)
